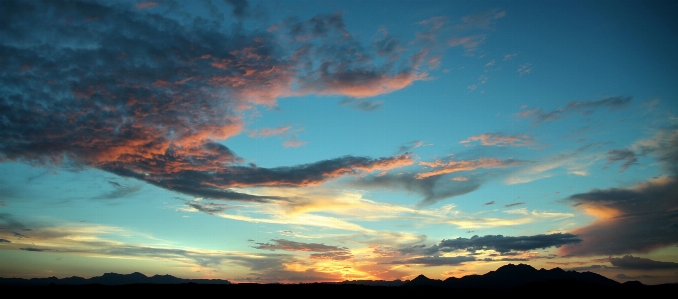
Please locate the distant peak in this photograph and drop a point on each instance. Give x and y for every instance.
(421, 277)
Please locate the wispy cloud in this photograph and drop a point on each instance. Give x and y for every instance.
(538, 115)
(499, 139)
(444, 167)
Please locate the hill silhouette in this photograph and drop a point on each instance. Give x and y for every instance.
(108, 279)
(513, 276)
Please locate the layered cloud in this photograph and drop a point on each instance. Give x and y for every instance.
(321, 251)
(147, 96)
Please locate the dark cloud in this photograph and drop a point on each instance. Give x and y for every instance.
(207, 207)
(239, 7)
(436, 260)
(410, 146)
(628, 156)
(433, 189)
(361, 104)
(146, 96)
(638, 219)
(514, 204)
(624, 276)
(119, 191)
(5, 241)
(34, 249)
(629, 220)
(282, 244)
(8, 222)
(489, 203)
(506, 244)
(613, 103)
(638, 263)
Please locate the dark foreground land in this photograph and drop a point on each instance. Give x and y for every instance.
(540, 290)
(509, 280)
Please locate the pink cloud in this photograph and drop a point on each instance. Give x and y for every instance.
(145, 5)
(294, 143)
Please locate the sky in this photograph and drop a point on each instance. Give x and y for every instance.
(307, 141)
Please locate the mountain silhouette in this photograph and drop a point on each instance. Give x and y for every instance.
(512, 276)
(111, 279)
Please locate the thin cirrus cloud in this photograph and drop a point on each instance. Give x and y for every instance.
(539, 115)
(146, 96)
(443, 167)
(498, 139)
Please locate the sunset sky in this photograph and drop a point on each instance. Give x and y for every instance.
(302, 141)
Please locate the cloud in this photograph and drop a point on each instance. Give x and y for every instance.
(146, 96)
(638, 263)
(361, 104)
(470, 43)
(539, 115)
(624, 276)
(482, 20)
(239, 7)
(465, 165)
(431, 261)
(34, 249)
(489, 203)
(207, 207)
(514, 204)
(266, 132)
(406, 147)
(499, 139)
(119, 191)
(326, 252)
(505, 244)
(5, 241)
(622, 155)
(294, 143)
(629, 220)
(145, 5)
(432, 188)
(282, 244)
(635, 219)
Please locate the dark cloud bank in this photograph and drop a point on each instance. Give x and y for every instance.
(635, 219)
(122, 89)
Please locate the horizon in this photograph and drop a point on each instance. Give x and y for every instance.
(312, 141)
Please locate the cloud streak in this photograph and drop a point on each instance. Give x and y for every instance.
(539, 115)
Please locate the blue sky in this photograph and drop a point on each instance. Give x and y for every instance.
(288, 141)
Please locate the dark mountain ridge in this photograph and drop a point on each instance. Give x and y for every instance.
(512, 276)
(110, 279)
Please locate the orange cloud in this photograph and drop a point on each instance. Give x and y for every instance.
(455, 166)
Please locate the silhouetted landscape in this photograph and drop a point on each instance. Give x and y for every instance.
(510, 278)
